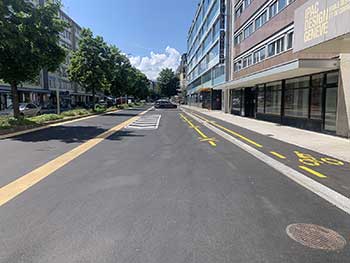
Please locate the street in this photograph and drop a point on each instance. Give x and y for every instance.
(160, 186)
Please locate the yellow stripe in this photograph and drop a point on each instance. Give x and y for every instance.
(205, 137)
(230, 131)
(313, 172)
(22, 184)
(278, 155)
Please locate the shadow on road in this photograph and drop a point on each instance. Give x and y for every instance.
(71, 134)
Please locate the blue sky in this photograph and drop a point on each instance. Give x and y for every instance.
(152, 32)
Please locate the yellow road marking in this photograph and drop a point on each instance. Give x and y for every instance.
(278, 155)
(307, 169)
(230, 131)
(204, 137)
(17, 187)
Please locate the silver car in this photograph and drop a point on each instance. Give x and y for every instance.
(25, 109)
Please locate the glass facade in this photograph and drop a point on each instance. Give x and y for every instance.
(204, 68)
(307, 102)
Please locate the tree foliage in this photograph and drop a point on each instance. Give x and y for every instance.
(168, 82)
(29, 42)
(89, 65)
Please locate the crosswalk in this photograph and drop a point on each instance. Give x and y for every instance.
(148, 122)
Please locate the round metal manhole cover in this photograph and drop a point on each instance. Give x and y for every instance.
(316, 237)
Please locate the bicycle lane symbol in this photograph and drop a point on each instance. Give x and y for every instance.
(309, 160)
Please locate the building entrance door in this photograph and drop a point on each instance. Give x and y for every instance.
(250, 102)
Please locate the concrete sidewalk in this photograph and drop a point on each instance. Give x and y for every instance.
(326, 144)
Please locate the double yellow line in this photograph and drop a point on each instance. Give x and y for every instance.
(205, 138)
(229, 131)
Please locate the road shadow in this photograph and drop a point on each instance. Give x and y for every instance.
(71, 134)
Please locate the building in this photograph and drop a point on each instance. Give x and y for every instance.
(181, 72)
(44, 90)
(206, 55)
(289, 63)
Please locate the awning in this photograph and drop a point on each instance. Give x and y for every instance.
(297, 68)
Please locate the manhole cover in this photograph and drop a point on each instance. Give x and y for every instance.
(316, 237)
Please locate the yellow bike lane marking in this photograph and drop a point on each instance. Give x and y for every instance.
(17, 187)
(204, 138)
(305, 162)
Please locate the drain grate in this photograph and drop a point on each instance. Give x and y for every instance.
(316, 237)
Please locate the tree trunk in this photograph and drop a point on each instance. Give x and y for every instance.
(15, 99)
(93, 98)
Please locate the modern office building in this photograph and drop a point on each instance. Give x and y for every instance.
(288, 63)
(206, 54)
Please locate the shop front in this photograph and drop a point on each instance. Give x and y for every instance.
(307, 102)
(206, 98)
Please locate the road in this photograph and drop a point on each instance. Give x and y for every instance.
(160, 187)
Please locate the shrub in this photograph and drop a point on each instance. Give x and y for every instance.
(77, 112)
(46, 118)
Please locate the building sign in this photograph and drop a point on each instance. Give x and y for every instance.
(318, 21)
(222, 32)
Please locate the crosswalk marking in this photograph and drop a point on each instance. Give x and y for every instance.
(148, 122)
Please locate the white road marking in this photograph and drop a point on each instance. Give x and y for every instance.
(317, 188)
(148, 122)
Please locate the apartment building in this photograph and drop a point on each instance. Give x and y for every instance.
(181, 73)
(206, 54)
(288, 65)
(44, 90)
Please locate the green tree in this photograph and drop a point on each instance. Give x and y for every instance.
(168, 82)
(29, 42)
(90, 64)
(119, 69)
(138, 84)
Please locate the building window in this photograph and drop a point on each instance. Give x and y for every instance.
(281, 5)
(261, 20)
(247, 3)
(261, 99)
(239, 11)
(236, 101)
(271, 49)
(237, 66)
(238, 39)
(273, 98)
(248, 31)
(247, 61)
(259, 55)
(290, 37)
(296, 99)
(273, 9)
(316, 97)
(276, 47)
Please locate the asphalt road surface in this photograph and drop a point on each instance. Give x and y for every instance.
(159, 188)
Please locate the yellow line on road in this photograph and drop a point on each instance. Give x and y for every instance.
(205, 137)
(278, 155)
(17, 187)
(313, 172)
(229, 131)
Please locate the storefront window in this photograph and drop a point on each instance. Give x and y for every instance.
(273, 98)
(316, 97)
(261, 99)
(331, 109)
(236, 100)
(297, 97)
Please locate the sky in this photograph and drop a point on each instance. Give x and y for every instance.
(151, 32)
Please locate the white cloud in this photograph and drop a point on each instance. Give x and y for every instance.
(153, 64)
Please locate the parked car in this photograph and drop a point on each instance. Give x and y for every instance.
(49, 109)
(25, 109)
(164, 104)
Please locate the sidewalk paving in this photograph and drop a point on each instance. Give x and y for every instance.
(326, 144)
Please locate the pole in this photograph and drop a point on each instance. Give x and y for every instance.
(58, 100)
